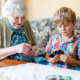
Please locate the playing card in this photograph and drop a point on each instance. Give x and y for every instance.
(60, 52)
(56, 52)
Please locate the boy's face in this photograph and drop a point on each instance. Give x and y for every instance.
(65, 28)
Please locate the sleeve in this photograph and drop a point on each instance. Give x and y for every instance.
(78, 48)
(31, 34)
(49, 46)
(0, 38)
(1, 23)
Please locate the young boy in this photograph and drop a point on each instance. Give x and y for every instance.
(65, 20)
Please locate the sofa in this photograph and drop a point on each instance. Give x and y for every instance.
(43, 29)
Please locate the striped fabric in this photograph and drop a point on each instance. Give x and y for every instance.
(70, 48)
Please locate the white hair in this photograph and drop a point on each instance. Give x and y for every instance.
(14, 5)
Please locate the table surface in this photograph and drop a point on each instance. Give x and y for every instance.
(32, 71)
(10, 62)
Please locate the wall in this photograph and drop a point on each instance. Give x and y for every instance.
(27, 4)
(0, 7)
(46, 8)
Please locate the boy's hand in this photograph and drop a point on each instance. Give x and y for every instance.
(55, 59)
(65, 58)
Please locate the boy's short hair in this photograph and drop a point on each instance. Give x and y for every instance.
(64, 13)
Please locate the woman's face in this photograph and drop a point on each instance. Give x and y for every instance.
(16, 20)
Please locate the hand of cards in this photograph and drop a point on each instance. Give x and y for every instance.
(56, 52)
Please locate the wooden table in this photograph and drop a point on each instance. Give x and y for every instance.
(10, 62)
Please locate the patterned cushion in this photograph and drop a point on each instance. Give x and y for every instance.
(77, 27)
(43, 28)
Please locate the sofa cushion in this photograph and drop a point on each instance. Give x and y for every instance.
(77, 27)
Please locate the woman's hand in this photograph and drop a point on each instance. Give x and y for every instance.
(31, 52)
(22, 48)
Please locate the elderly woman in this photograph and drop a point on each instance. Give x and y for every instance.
(17, 40)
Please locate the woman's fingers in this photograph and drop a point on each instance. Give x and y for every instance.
(28, 45)
(23, 48)
(30, 53)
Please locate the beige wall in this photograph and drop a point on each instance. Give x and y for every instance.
(46, 8)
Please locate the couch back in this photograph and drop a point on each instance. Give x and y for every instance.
(44, 28)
